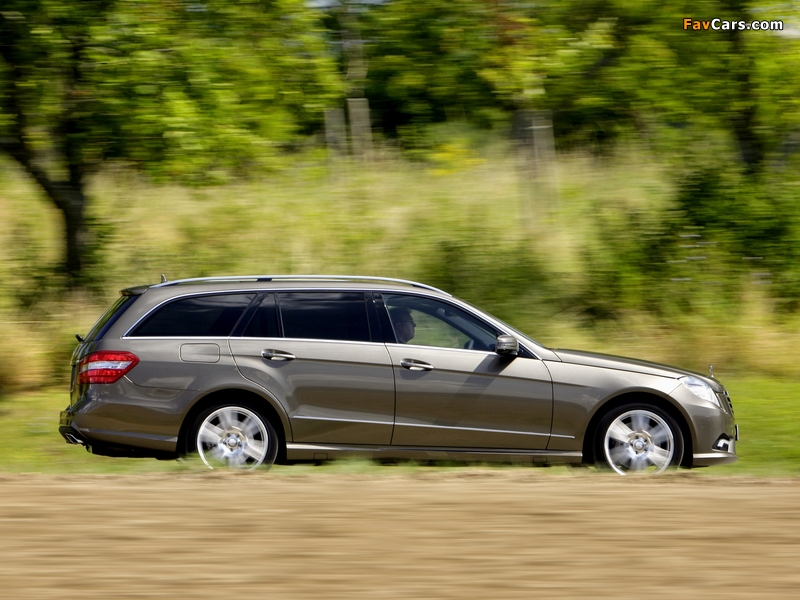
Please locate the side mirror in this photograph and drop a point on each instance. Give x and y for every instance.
(506, 345)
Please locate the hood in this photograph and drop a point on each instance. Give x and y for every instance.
(608, 361)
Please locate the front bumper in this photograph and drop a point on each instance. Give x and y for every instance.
(724, 451)
(714, 432)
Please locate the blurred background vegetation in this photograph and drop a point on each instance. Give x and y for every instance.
(589, 171)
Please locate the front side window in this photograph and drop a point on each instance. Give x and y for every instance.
(196, 316)
(324, 315)
(428, 322)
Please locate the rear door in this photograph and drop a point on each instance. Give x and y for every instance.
(320, 355)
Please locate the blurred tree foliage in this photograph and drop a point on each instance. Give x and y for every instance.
(425, 60)
(179, 89)
(603, 67)
(720, 107)
(207, 90)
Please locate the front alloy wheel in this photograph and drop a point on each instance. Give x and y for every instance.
(235, 437)
(640, 441)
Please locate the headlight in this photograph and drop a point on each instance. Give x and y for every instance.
(700, 389)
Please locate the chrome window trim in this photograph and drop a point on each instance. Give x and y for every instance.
(176, 337)
(127, 334)
(421, 347)
(315, 340)
(228, 338)
(219, 292)
(418, 293)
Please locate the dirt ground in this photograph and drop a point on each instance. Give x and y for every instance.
(462, 533)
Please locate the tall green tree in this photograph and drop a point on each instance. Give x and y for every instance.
(630, 65)
(192, 90)
(426, 57)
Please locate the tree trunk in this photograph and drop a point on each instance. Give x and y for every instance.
(69, 197)
(72, 202)
(67, 136)
(751, 147)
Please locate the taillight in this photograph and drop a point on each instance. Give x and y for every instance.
(106, 366)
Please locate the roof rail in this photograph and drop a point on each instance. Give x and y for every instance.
(264, 278)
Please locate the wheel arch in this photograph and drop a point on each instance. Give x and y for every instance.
(634, 397)
(249, 398)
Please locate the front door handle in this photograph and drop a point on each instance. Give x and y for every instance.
(277, 355)
(416, 365)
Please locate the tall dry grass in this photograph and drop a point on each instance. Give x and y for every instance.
(558, 267)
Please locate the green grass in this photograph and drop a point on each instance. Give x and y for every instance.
(768, 414)
(32, 443)
(767, 410)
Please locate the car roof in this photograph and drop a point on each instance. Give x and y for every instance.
(267, 282)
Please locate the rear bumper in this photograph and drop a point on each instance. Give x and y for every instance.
(111, 443)
(71, 435)
(125, 416)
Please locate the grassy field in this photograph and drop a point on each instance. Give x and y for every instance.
(568, 267)
(767, 411)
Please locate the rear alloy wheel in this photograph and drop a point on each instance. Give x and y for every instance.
(639, 440)
(234, 437)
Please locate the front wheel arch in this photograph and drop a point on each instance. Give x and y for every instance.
(590, 435)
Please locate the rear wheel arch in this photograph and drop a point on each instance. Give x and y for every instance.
(246, 398)
(660, 402)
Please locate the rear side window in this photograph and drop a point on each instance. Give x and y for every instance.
(325, 315)
(197, 316)
(109, 318)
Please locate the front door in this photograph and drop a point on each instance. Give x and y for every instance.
(453, 390)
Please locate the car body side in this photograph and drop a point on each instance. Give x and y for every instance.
(148, 411)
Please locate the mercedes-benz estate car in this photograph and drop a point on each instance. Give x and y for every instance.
(246, 371)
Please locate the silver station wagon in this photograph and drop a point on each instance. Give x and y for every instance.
(247, 371)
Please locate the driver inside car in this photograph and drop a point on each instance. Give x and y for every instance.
(404, 325)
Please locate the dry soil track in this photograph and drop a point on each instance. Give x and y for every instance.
(463, 533)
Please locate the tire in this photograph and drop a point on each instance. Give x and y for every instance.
(638, 439)
(233, 436)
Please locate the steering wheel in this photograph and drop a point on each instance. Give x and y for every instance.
(470, 344)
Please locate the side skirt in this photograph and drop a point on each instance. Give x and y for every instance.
(314, 452)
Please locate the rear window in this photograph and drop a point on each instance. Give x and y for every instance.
(197, 316)
(325, 316)
(109, 318)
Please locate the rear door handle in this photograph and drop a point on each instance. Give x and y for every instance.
(416, 365)
(277, 355)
